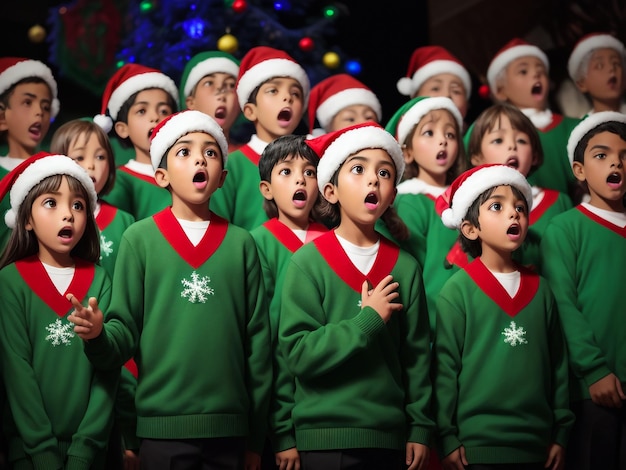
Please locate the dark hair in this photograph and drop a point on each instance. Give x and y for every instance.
(281, 149)
(490, 118)
(412, 169)
(71, 131)
(122, 114)
(332, 215)
(6, 96)
(23, 243)
(474, 248)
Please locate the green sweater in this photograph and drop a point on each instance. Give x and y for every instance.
(239, 200)
(275, 244)
(62, 408)
(359, 382)
(137, 194)
(195, 320)
(499, 369)
(112, 222)
(585, 264)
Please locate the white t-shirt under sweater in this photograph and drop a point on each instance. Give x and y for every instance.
(141, 168)
(362, 257)
(616, 218)
(194, 230)
(257, 144)
(60, 277)
(10, 163)
(510, 281)
(419, 186)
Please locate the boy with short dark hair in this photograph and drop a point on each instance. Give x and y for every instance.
(273, 91)
(188, 288)
(136, 99)
(584, 251)
(499, 358)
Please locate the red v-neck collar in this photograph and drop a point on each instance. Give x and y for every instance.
(195, 256)
(36, 277)
(141, 176)
(487, 282)
(106, 215)
(251, 154)
(556, 120)
(605, 223)
(334, 254)
(288, 238)
(549, 198)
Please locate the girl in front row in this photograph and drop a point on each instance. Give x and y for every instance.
(62, 408)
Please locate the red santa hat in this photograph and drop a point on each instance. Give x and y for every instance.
(128, 80)
(466, 188)
(587, 125)
(32, 171)
(14, 69)
(334, 147)
(512, 50)
(336, 92)
(428, 61)
(176, 125)
(262, 63)
(587, 44)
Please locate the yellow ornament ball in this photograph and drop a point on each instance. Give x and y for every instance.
(331, 60)
(37, 34)
(228, 43)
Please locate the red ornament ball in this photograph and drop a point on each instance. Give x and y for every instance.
(239, 6)
(306, 44)
(483, 91)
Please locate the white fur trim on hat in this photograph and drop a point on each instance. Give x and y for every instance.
(503, 59)
(586, 125)
(352, 141)
(351, 96)
(263, 71)
(423, 107)
(479, 182)
(31, 68)
(181, 124)
(207, 67)
(598, 41)
(137, 83)
(39, 170)
(104, 121)
(409, 86)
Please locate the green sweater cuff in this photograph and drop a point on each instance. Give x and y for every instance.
(47, 461)
(561, 436)
(420, 435)
(593, 376)
(369, 321)
(76, 463)
(448, 444)
(283, 442)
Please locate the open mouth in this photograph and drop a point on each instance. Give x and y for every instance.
(537, 89)
(614, 179)
(200, 180)
(513, 230)
(513, 162)
(612, 81)
(299, 198)
(35, 130)
(65, 233)
(220, 113)
(150, 132)
(443, 155)
(285, 115)
(371, 201)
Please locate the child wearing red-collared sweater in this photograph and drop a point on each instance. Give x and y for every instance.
(60, 408)
(500, 376)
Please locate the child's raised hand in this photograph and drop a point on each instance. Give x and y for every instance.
(556, 457)
(87, 320)
(380, 297)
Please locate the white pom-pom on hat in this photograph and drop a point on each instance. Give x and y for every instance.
(104, 122)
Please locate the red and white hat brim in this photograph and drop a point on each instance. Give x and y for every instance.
(349, 97)
(353, 141)
(584, 47)
(414, 115)
(503, 59)
(409, 86)
(478, 183)
(588, 124)
(207, 67)
(263, 71)
(31, 68)
(180, 125)
(41, 169)
(137, 83)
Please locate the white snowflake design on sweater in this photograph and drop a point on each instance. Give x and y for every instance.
(514, 335)
(106, 247)
(60, 333)
(197, 289)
